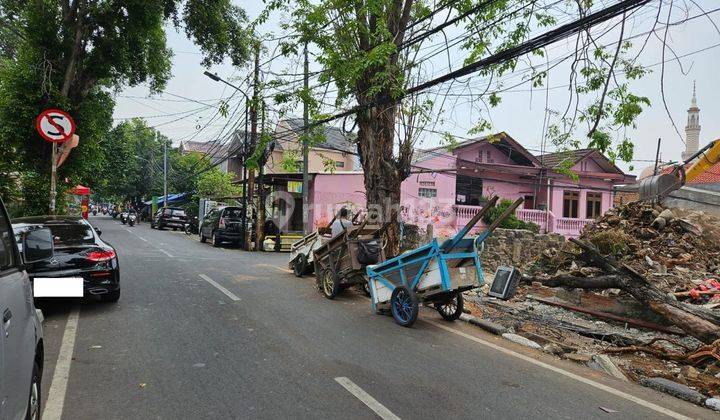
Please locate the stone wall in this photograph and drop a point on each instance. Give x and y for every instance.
(519, 248)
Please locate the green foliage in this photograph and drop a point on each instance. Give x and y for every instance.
(71, 55)
(217, 184)
(511, 222)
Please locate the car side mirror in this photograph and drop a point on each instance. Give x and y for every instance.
(99, 232)
(37, 245)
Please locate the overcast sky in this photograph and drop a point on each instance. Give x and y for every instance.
(520, 113)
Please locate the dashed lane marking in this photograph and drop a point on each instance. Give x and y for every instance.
(166, 253)
(227, 293)
(367, 399)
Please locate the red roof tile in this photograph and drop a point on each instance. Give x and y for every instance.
(711, 176)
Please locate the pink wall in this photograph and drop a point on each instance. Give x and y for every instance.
(473, 154)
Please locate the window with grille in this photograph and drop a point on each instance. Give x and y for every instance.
(570, 203)
(593, 205)
(427, 192)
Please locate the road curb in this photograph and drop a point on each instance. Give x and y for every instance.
(675, 389)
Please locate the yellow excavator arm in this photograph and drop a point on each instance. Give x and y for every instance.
(659, 186)
(705, 161)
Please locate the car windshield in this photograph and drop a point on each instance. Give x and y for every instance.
(69, 234)
(234, 213)
(72, 234)
(175, 212)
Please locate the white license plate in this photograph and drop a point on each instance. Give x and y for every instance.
(58, 287)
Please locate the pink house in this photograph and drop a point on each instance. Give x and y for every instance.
(447, 187)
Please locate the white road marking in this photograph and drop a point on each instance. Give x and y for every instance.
(58, 387)
(141, 238)
(227, 293)
(367, 399)
(606, 388)
(166, 253)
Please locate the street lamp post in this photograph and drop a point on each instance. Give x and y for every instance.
(244, 153)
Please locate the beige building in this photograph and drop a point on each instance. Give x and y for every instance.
(334, 151)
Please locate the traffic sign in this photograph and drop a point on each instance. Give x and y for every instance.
(55, 126)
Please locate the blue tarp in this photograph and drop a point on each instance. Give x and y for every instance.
(171, 198)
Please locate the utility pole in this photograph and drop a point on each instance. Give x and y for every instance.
(244, 156)
(260, 228)
(305, 152)
(253, 133)
(657, 157)
(157, 134)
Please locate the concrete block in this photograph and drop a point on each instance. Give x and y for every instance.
(675, 389)
(521, 340)
(603, 363)
(466, 317)
(713, 403)
(489, 326)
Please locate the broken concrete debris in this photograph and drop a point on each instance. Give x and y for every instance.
(632, 290)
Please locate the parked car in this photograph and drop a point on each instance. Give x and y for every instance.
(82, 262)
(21, 334)
(169, 217)
(222, 224)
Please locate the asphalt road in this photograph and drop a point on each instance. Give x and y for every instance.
(269, 345)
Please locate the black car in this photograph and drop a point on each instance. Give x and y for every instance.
(169, 217)
(222, 224)
(79, 253)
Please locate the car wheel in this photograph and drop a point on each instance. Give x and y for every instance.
(215, 240)
(111, 296)
(202, 238)
(34, 406)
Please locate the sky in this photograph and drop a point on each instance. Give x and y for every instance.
(193, 114)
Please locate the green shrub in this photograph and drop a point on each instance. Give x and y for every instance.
(511, 222)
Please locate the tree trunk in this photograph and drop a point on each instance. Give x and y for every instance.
(376, 129)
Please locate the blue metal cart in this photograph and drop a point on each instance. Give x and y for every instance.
(434, 274)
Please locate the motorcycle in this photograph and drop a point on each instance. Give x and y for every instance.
(131, 219)
(94, 212)
(123, 217)
(191, 227)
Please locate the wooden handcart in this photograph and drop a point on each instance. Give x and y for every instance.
(336, 261)
(433, 273)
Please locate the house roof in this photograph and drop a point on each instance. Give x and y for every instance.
(501, 141)
(335, 138)
(554, 160)
(710, 176)
(213, 148)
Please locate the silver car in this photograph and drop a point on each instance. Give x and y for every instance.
(21, 336)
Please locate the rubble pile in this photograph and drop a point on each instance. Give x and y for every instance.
(676, 250)
(615, 294)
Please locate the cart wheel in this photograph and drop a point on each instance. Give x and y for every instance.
(329, 285)
(452, 309)
(300, 265)
(404, 306)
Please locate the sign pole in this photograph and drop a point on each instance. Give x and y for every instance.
(55, 126)
(53, 178)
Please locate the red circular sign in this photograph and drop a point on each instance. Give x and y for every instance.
(55, 126)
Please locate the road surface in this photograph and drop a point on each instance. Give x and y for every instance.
(202, 332)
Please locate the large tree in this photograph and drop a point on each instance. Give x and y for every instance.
(72, 54)
(372, 50)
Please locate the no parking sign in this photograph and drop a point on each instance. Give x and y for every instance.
(55, 126)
